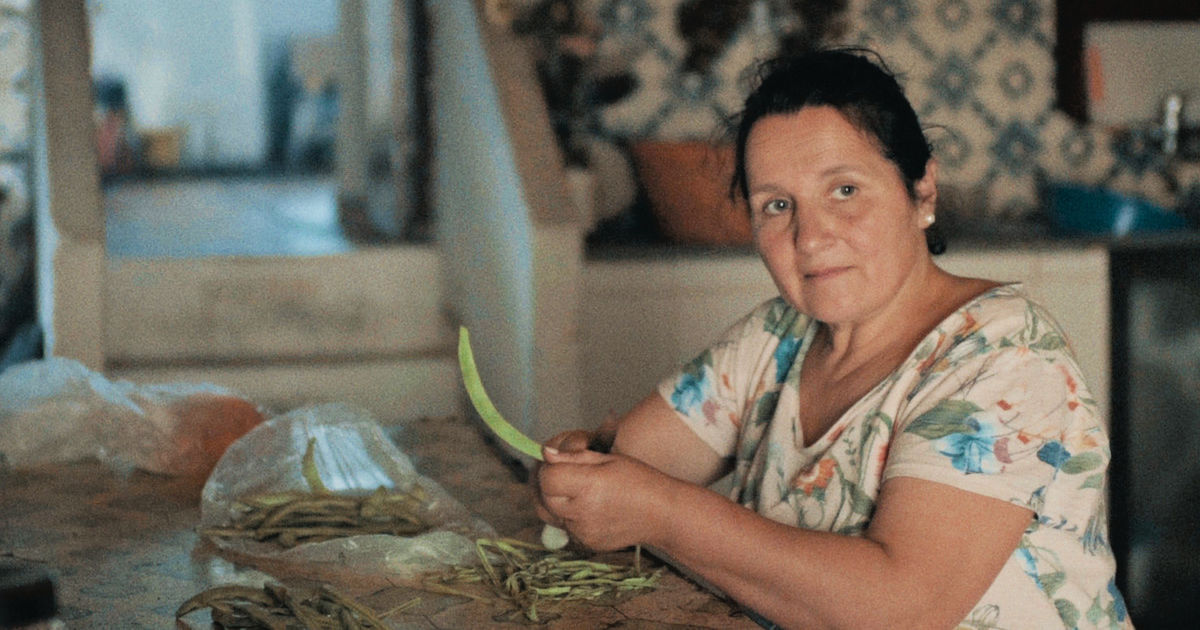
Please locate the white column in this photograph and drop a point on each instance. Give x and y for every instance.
(350, 148)
(69, 210)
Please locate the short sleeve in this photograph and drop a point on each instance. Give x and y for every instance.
(1006, 423)
(719, 390)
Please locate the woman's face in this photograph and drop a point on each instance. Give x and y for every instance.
(832, 218)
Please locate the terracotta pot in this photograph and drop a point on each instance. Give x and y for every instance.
(687, 184)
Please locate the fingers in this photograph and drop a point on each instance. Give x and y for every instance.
(576, 474)
(581, 457)
(553, 450)
(570, 441)
(564, 477)
(596, 497)
(550, 518)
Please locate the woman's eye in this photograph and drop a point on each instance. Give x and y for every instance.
(845, 191)
(776, 206)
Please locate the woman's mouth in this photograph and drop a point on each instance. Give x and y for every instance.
(824, 273)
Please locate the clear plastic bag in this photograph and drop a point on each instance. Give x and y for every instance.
(353, 456)
(57, 410)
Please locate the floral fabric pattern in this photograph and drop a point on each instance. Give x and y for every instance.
(991, 401)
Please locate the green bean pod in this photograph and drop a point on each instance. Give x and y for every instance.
(479, 398)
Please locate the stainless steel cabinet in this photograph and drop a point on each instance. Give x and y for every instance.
(1156, 430)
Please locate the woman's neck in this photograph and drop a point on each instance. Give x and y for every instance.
(889, 336)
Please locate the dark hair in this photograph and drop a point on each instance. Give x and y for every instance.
(864, 91)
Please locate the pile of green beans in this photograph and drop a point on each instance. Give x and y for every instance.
(527, 576)
(292, 518)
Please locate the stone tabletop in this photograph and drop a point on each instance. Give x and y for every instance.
(123, 551)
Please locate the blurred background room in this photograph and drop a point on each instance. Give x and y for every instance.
(302, 200)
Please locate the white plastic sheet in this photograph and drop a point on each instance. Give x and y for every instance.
(57, 410)
(352, 456)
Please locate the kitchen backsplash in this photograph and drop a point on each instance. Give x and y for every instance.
(980, 74)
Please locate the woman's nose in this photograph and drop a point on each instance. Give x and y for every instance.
(813, 231)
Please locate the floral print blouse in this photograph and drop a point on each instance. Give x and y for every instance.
(991, 401)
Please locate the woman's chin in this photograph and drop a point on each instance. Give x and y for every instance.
(832, 307)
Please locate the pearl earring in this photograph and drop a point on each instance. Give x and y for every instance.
(929, 219)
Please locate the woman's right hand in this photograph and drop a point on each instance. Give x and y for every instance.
(650, 432)
(605, 501)
(571, 441)
(599, 440)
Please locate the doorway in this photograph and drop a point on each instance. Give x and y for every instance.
(250, 229)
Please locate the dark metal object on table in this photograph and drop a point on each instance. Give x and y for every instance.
(26, 597)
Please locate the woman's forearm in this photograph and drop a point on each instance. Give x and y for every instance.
(928, 557)
(806, 579)
(796, 578)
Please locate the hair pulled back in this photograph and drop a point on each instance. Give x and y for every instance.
(864, 90)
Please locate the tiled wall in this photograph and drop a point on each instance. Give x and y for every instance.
(16, 247)
(980, 74)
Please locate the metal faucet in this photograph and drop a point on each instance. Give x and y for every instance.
(1172, 113)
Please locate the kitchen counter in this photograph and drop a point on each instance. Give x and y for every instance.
(960, 236)
(123, 552)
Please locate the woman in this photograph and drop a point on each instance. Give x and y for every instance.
(908, 448)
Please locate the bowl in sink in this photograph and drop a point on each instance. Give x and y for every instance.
(1077, 210)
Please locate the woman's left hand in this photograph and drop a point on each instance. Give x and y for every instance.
(606, 501)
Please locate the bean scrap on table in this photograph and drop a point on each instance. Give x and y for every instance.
(274, 607)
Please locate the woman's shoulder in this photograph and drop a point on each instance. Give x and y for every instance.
(1001, 330)
(1007, 311)
(1005, 296)
(1002, 336)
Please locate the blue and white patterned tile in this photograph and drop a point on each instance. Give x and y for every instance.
(888, 20)
(634, 116)
(962, 160)
(957, 23)
(980, 74)
(14, 99)
(1014, 148)
(1075, 152)
(14, 47)
(14, 122)
(907, 58)
(651, 23)
(1024, 22)
(1016, 80)
(738, 68)
(693, 111)
(626, 18)
(952, 82)
(1011, 197)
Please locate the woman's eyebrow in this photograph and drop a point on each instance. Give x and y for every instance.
(765, 189)
(841, 169)
(831, 171)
